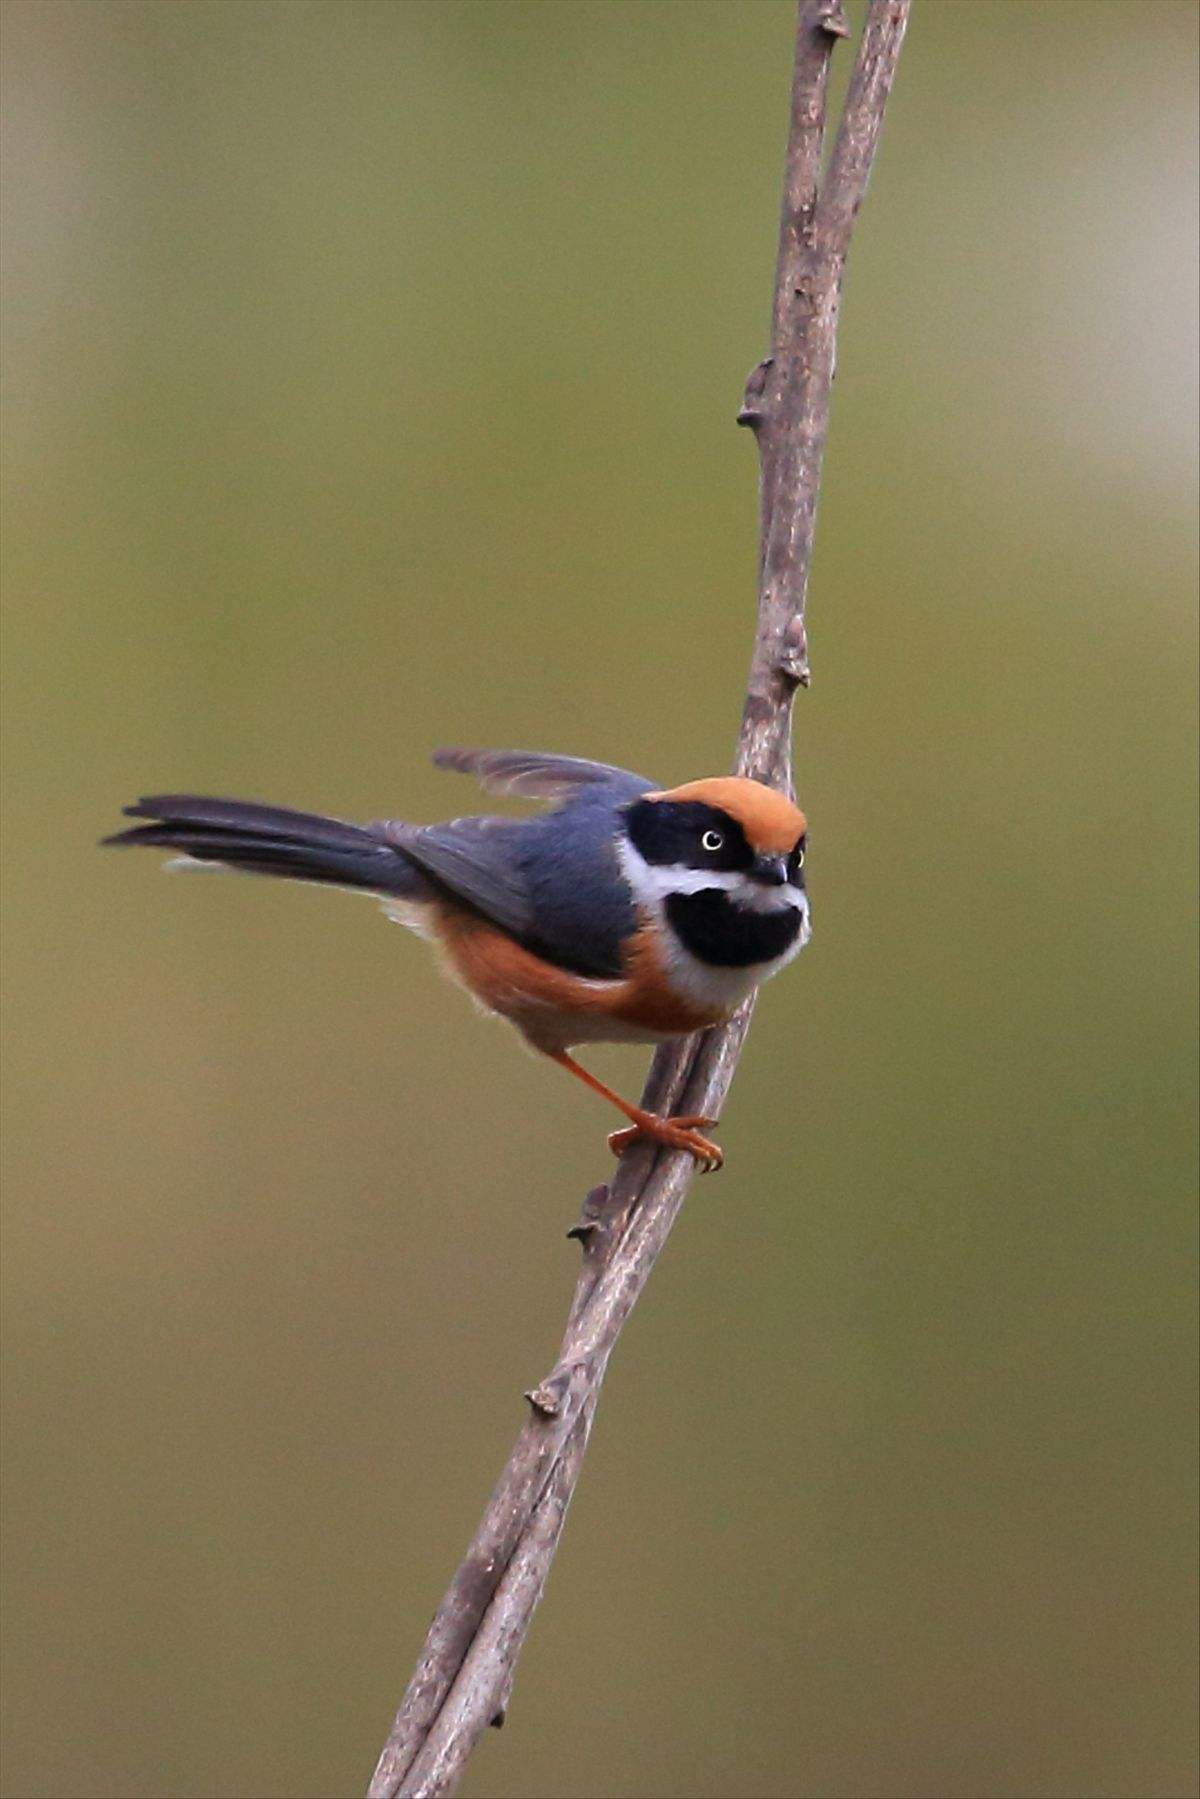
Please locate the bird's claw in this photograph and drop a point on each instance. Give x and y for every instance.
(673, 1133)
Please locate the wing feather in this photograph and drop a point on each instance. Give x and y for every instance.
(538, 776)
(476, 860)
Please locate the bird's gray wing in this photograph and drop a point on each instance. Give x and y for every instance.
(538, 776)
(476, 860)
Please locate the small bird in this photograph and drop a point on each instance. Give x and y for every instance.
(624, 914)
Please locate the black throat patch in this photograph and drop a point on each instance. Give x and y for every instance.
(728, 936)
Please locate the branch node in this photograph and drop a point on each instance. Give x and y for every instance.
(593, 1215)
(752, 411)
(547, 1399)
(832, 19)
(792, 660)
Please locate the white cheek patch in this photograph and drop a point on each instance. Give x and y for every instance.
(805, 929)
(653, 884)
(707, 985)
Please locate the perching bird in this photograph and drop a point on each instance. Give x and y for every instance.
(624, 914)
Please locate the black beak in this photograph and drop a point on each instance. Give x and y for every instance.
(769, 871)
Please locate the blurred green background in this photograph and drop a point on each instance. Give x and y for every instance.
(371, 371)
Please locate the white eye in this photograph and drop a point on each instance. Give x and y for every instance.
(798, 859)
(712, 840)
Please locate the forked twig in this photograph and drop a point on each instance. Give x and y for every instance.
(462, 1681)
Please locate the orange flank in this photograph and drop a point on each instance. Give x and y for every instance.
(553, 1007)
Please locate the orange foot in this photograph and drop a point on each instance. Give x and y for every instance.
(672, 1133)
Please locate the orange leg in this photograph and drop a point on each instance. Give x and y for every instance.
(672, 1133)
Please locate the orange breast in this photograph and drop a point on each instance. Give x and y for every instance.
(553, 1007)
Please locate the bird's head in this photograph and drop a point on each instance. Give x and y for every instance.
(721, 862)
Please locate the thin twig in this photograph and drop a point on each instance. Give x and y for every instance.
(462, 1681)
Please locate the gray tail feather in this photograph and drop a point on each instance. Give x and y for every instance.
(270, 840)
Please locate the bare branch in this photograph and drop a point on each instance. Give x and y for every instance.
(787, 396)
(462, 1681)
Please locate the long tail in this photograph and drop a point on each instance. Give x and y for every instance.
(270, 840)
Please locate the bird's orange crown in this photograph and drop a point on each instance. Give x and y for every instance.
(769, 819)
